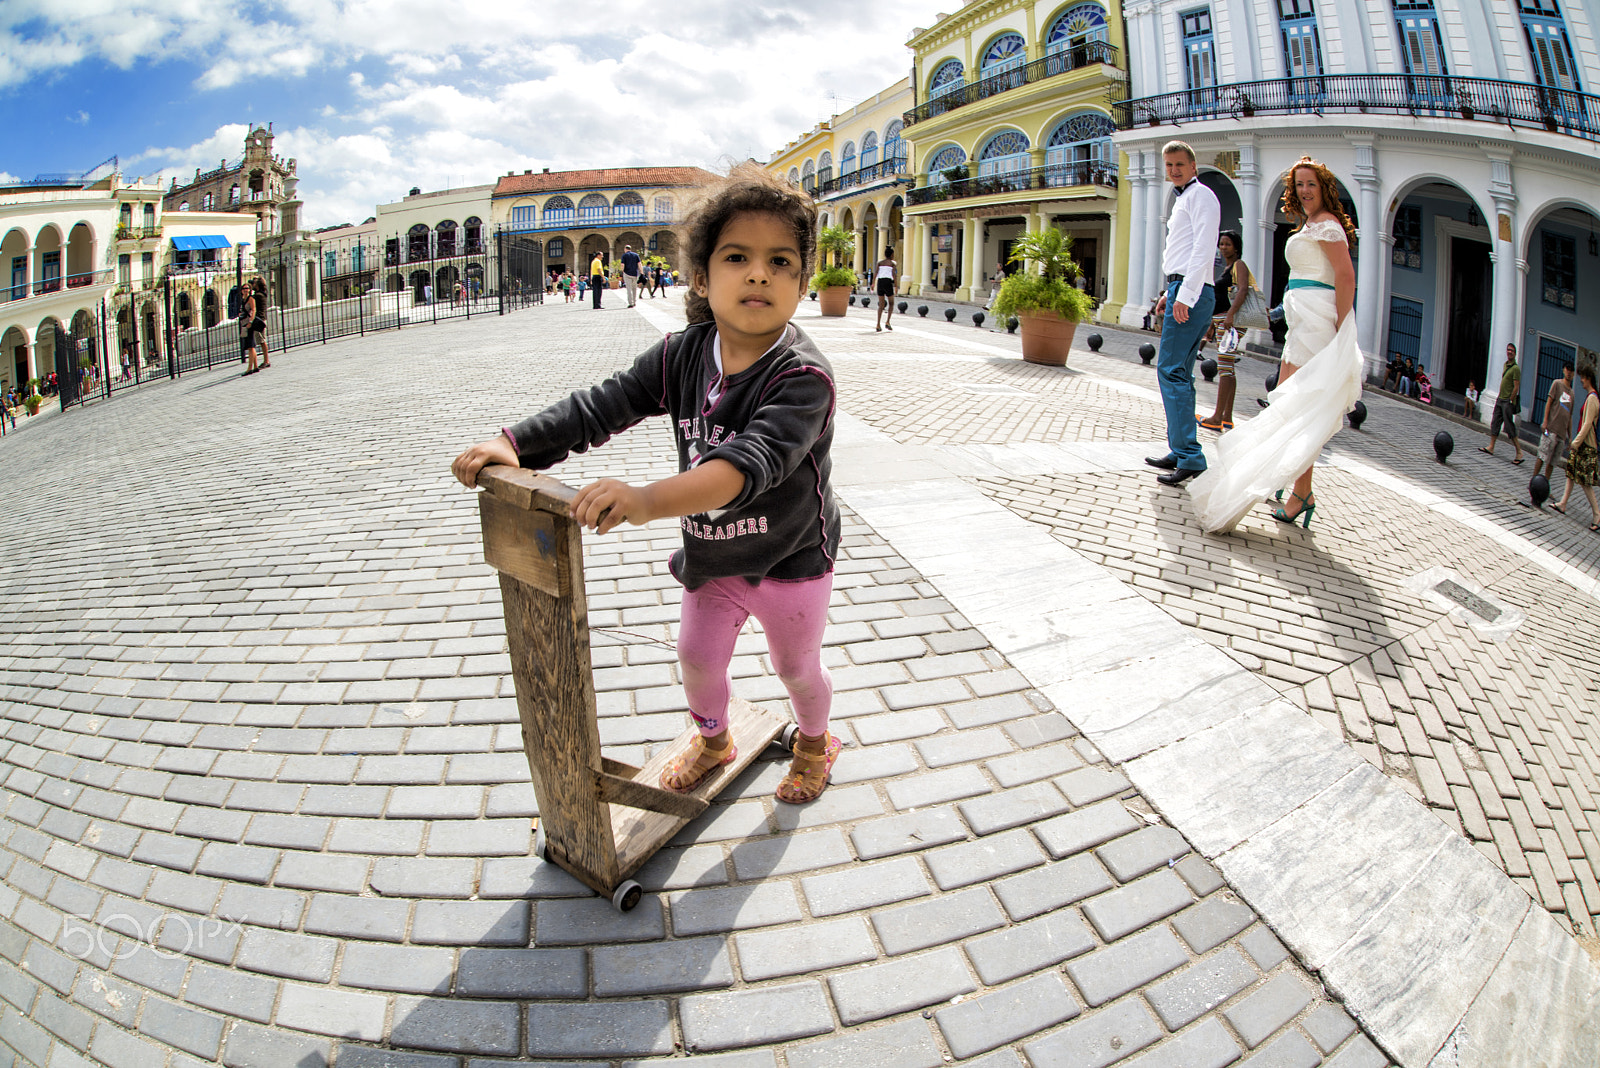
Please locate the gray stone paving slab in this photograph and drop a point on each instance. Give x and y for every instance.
(878, 990)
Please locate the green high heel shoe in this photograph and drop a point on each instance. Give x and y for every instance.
(1308, 505)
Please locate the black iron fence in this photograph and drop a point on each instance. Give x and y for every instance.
(1511, 103)
(862, 176)
(1050, 176)
(188, 321)
(1074, 57)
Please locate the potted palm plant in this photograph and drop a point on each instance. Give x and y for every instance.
(1045, 299)
(833, 281)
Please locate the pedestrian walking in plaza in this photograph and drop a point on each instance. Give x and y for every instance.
(752, 406)
(1507, 405)
(249, 333)
(887, 276)
(1185, 309)
(1557, 423)
(1319, 379)
(1233, 286)
(597, 278)
(1581, 465)
(630, 274)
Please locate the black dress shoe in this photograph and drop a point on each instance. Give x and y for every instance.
(1165, 463)
(1177, 477)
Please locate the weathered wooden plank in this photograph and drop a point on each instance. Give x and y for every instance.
(618, 768)
(620, 791)
(527, 489)
(640, 833)
(524, 545)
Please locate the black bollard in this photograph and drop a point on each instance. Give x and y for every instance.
(1095, 341)
(1208, 368)
(922, 310)
(1012, 324)
(903, 306)
(813, 294)
(949, 315)
(1443, 445)
(852, 299)
(1147, 352)
(1538, 490)
(977, 318)
(1357, 416)
(1272, 381)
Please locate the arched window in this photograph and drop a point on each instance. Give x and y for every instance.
(471, 236)
(1079, 151)
(808, 176)
(184, 206)
(947, 78)
(1076, 27)
(794, 176)
(893, 146)
(847, 158)
(417, 243)
(557, 211)
(592, 209)
(824, 169)
(943, 160)
(447, 238)
(628, 207)
(233, 195)
(869, 150)
(1006, 153)
(1006, 52)
(663, 209)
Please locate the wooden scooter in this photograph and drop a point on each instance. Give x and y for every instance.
(599, 819)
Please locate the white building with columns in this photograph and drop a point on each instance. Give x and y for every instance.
(1464, 135)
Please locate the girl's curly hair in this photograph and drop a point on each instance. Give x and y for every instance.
(747, 188)
(1330, 196)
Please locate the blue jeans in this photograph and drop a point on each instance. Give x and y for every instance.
(1175, 370)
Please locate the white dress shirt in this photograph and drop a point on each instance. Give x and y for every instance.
(1192, 239)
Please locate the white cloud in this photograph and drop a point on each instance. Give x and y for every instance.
(435, 94)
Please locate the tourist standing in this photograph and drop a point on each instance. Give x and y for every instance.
(597, 278)
(1507, 404)
(630, 274)
(1233, 286)
(1187, 303)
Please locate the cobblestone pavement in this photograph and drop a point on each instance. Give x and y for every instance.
(265, 804)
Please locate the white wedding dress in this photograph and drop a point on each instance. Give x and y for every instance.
(1270, 451)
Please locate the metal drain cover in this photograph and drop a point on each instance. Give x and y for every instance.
(1466, 602)
(995, 388)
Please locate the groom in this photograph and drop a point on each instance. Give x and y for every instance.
(1188, 301)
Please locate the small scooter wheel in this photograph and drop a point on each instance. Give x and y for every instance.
(789, 736)
(626, 896)
(539, 842)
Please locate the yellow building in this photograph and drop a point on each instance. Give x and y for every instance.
(1011, 131)
(855, 165)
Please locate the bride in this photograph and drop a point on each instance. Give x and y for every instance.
(1320, 377)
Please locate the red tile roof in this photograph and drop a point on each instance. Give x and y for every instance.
(607, 178)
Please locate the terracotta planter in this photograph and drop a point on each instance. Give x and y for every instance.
(1046, 337)
(833, 300)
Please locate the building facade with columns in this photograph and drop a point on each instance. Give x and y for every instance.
(579, 213)
(857, 166)
(1463, 136)
(1011, 130)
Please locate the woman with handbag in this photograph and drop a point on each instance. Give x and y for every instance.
(258, 325)
(1233, 289)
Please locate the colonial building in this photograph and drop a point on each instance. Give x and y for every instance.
(855, 164)
(1462, 134)
(85, 261)
(579, 213)
(265, 187)
(351, 257)
(1011, 130)
(438, 239)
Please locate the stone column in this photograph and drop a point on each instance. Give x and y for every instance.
(883, 241)
(1250, 199)
(969, 260)
(1371, 265)
(1155, 231)
(1134, 298)
(1503, 327)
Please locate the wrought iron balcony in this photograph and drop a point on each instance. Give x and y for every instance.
(888, 168)
(1424, 96)
(1050, 176)
(1075, 57)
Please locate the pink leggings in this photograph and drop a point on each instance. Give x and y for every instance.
(793, 614)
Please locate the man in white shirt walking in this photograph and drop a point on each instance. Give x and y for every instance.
(1188, 302)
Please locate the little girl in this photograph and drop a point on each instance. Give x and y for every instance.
(751, 402)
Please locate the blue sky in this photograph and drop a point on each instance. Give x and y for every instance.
(374, 96)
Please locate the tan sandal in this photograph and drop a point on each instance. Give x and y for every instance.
(687, 770)
(809, 773)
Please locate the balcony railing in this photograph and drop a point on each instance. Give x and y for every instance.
(886, 169)
(597, 220)
(137, 233)
(1073, 58)
(1050, 176)
(1509, 103)
(56, 283)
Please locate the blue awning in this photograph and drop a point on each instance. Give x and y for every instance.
(194, 244)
